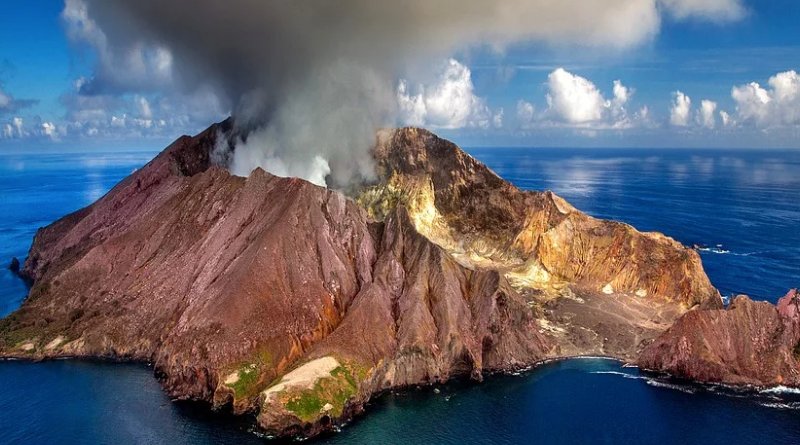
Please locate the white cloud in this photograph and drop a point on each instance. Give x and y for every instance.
(139, 116)
(19, 126)
(412, 107)
(450, 102)
(526, 113)
(622, 94)
(716, 10)
(778, 106)
(49, 130)
(681, 109)
(497, 119)
(15, 129)
(727, 120)
(573, 99)
(706, 115)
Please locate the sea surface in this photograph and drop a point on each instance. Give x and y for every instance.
(740, 208)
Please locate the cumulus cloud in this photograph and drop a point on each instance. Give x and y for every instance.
(450, 102)
(20, 128)
(716, 10)
(113, 116)
(526, 113)
(681, 109)
(573, 98)
(18, 125)
(49, 129)
(575, 101)
(706, 115)
(725, 117)
(776, 106)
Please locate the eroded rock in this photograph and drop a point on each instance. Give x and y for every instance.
(754, 343)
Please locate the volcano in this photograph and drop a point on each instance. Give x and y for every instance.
(297, 303)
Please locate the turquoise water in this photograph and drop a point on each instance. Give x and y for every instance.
(741, 207)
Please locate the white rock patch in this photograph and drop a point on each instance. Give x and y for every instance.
(232, 378)
(608, 289)
(55, 343)
(305, 376)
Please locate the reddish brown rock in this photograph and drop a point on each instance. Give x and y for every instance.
(753, 343)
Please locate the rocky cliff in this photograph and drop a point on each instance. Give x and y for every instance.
(299, 303)
(750, 343)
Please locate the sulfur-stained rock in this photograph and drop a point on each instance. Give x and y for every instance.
(536, 239)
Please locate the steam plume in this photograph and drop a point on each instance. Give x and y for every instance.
(312, 80)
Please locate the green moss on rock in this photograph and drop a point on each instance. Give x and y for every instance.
(332, 392)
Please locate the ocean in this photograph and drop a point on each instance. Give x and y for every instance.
(740, 208)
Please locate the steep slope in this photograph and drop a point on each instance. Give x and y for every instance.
(197, 271)
(750, 342)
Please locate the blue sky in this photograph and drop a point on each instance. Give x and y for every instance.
(41, 64)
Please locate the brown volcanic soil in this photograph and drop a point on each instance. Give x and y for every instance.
(300, 303)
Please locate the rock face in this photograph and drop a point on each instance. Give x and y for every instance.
(601, 287)
(536, 238)
(750, 342)
(279, 297)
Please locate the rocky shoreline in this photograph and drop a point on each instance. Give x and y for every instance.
(299, 304)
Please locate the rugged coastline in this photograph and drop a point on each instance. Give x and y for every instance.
(438, 269)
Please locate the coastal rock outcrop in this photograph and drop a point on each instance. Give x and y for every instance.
(749, 343)
(274, 296)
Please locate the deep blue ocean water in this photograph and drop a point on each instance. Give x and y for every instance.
(741, 207)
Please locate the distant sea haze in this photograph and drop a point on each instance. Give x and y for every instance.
(740, 209)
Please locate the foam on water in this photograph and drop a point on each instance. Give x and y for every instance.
(775, 405)
(781, 390)
(621, 374)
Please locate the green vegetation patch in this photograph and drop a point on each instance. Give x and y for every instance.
(13, 332)
(335, 390)
(250, 381)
